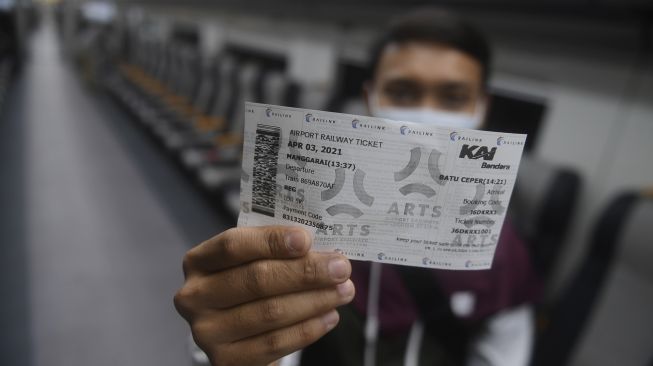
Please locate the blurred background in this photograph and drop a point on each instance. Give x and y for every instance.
(120, 136)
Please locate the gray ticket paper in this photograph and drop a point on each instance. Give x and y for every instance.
(379, 190)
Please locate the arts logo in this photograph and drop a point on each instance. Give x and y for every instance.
(268, 112)
(411, 167)
(359, 192)
(355, 123)
(476, 152)
(453, 135)
(308, 118)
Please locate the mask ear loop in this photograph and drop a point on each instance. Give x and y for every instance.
(479, 114)
(373, 104)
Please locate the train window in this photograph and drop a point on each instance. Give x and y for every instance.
(268, 60)
(186, 34)
(349, 85)
(516, 112)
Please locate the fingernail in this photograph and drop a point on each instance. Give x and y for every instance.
(331, 319)
(338, 269)
(345, 289)
(295, 240)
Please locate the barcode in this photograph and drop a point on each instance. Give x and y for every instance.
(266, 155)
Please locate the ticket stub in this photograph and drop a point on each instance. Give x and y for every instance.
(379, 190)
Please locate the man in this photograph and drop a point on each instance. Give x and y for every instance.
(255, 295)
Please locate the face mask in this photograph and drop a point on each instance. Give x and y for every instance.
(430, 116)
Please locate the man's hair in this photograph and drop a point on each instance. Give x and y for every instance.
(434, 25)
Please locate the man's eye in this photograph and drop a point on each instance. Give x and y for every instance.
(403, 96)
(455, 101)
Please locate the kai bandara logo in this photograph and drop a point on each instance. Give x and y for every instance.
(476, 152)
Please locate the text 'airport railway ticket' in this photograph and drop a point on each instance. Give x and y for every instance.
(379, 190)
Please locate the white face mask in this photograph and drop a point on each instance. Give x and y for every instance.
(430, 116)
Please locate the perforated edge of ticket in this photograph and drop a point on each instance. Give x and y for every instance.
(379, 190)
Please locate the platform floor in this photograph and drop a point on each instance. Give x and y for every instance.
(94, 223)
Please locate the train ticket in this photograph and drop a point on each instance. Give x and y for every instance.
(379, 190)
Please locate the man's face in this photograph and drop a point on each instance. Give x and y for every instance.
(427, 75)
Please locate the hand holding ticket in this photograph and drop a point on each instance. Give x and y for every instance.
(379, 190)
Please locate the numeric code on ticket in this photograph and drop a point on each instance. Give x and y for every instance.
(379, 190)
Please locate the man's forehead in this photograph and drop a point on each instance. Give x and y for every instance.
(427, 62)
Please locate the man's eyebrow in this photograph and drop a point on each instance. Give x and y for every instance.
(453, 86)
(402, 81)
(446, 86)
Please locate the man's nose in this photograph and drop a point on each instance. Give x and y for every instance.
(429, 101)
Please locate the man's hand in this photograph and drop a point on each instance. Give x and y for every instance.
(254, 295)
